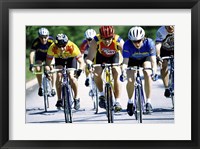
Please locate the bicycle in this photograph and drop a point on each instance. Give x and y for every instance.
(66, 92)
(93, 93)
(139, 98)
(108, 89)
(46, 85)
(171, 76)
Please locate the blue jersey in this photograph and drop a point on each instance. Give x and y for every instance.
(146, 50)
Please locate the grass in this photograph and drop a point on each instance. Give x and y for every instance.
(29, 75)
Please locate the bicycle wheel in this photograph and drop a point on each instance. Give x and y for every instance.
(46, 84)
(109, 106)
(67, 104)
(138, 112)
(171, 84)
(96, 101)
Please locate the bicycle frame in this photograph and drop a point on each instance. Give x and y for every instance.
(109, 95)
(139, 98)
(93, 92)
(47, 86)
(66, 93)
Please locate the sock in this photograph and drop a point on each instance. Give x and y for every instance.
(117, 100)
(148, 100)
(130, 101)
(101, 93)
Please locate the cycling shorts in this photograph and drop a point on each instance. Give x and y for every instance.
(102, 59)
(134, 62)
(164, 52)
(70, 62)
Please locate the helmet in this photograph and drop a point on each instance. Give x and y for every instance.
(90, 33)
(136, 33)
(61, 40)
(106, 31)
(43, 32)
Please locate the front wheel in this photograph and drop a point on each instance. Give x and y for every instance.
(109, 105)
(138, 112)
(67, 104)
(46, 85)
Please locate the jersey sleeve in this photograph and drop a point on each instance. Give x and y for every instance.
(50, 53)
(152, 47)
(159, 35)
(75, 50)
(34, 44)
(83, 46)
(126, 50)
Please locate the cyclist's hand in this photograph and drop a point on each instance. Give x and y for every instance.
(154, 77)
(78, 72)
(160, 61)
(31, 66)
(122, 77)
(47, 74)
(89, 67)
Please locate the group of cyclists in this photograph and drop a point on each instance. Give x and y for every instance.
(105, 47)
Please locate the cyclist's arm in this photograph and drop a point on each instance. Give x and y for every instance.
(153, 63)
(31, 57)
(91, 52)
(81, 62)
(158, 47)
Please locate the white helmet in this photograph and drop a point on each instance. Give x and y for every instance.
(90, 33)
(43, 32)
(136, 33)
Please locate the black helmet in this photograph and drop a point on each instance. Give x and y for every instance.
(61, 40)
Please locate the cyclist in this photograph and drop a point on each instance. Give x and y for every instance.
(66, 52)
(89, 35)
(139, 50)
(106, 47)
(165, 47)
(39, 51)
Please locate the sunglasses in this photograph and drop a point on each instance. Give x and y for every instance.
(109, 38)
(61, 46)
(137, 41)
(89, 39)
(43, 37)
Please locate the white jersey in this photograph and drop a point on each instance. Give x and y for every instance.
(167, 39)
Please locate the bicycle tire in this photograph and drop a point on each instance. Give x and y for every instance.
(46, 92)
(171, 84)
(96, 101)
(67, 104)
(138, 112)
(109, 105)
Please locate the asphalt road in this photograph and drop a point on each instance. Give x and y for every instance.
(162, 112)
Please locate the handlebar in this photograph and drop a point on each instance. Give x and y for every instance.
(168, 57)
(105, 65)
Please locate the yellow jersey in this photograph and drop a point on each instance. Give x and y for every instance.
(70, 50)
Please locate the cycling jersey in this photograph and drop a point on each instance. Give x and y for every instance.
(70, 50)
(84, 47)
(39, 47)
(147, 49)
(167, 39)
(112, 49)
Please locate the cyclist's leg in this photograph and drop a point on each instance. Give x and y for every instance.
(53, 79)
(86, 73)
(98, 80)
(58, 64)
(164, 72)
(147, 83)
(116, 71)
(72, 63)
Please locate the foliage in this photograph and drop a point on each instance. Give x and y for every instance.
(76, 34)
